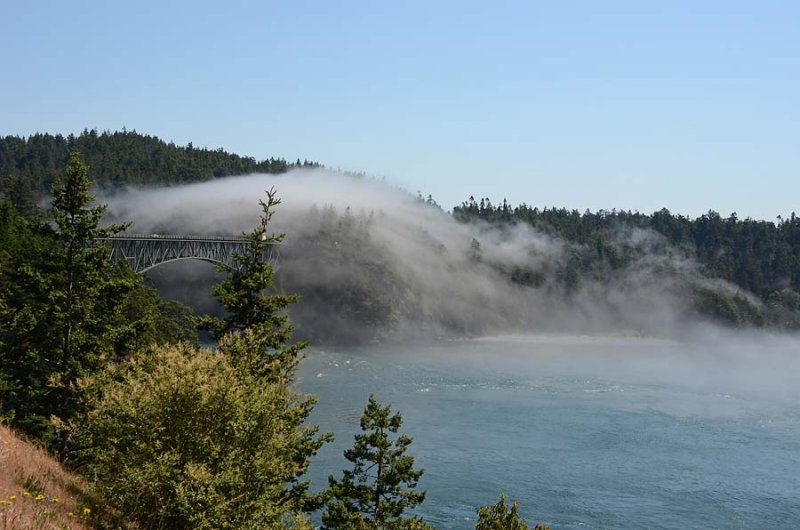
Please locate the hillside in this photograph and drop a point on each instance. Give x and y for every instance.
(124, 158)
(36, 492)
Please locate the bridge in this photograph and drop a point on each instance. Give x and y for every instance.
(143, 252)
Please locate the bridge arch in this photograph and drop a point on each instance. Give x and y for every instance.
(144, 252)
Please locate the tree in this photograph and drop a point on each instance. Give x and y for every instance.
(86, 288)
(65, 309)
(257, 334)
(499, 516)
(376, 492)
(185, 438)
(85, 263)
(243, 293)
(26, 335)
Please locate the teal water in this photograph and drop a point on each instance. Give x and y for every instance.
(584, 432)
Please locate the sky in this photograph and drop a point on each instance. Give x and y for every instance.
(685, 105)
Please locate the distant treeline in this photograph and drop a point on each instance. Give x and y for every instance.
(762, 257)
(124, 158)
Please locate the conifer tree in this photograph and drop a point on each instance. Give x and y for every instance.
(244, 294)
(86, 283)
(499, 516)
(379, 488)
(256, 335)
(62, 300)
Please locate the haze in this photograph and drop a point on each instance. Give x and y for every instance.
(431, 268)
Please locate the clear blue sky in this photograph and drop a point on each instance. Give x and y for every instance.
(636, 105)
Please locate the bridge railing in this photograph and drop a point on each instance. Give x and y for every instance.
(174, 237)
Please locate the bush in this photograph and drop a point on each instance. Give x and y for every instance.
(500, 516)
(183, 437)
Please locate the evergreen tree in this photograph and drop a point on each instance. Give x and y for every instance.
(257, 335)
(26, 333)
(500, 516)
(243, 293)
(86, 280)
(65, 309)
(376, 492)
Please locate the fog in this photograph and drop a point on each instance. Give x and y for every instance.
(374, 263)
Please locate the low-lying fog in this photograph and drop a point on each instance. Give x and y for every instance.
(366, 256)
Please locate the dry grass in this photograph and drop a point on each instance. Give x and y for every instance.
(35, 491)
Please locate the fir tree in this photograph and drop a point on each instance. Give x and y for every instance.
(499, 516)
(243, 293)
(61, 303)
(256, 335)
(84, 262)
(376, 492)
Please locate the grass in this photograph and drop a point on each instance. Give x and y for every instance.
(36, 492)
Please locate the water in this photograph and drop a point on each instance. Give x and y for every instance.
(585, 433)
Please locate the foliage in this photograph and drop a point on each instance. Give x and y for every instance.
(181, 437)
(61, 302)
(760, 257)
(376, 492)
(243, 293)
(500, 516)
(84, 285)
(65, 309)
(124, 158)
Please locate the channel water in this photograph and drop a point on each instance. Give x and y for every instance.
(585, 432)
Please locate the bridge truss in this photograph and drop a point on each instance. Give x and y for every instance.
(143, 252)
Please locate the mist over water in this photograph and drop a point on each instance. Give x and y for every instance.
(437, 277)
(586, 432)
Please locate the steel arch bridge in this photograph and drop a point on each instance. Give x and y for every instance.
(143, 252)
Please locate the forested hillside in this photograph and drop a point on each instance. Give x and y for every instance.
(124, 157)
(761, 257)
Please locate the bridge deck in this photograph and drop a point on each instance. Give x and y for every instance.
(173, 237)
(145, 251)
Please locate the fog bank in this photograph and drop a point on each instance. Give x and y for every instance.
(375, 263)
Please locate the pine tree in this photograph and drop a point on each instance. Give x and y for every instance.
(257, 336)
(85, 263)
(500, 516)
(61, 303)
(376, 492)
(243, 293)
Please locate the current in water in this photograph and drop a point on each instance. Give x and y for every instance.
(585, 432)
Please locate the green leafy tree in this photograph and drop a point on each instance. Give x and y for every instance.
(186, 438)
(379, 488)
(500, 516)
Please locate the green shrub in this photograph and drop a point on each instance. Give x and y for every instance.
(500, 516)
(182, 437)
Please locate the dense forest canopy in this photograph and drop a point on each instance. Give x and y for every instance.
(760, 256)
(125, 158)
